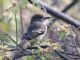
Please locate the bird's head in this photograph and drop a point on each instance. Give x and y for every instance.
(39, 18)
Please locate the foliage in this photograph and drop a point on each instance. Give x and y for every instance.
(10, 33)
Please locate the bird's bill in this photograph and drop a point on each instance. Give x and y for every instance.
(47, 17)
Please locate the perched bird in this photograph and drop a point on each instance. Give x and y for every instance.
(37, 28)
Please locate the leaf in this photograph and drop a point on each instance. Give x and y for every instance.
(61, 35)
(4, 26)
(42, 58)
(29, 58)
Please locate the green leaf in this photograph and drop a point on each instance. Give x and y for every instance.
(62, 35)
(4, 26)
(42, 58)
(29, 58)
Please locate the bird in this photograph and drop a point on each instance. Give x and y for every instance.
(37, 28)
(35, 31)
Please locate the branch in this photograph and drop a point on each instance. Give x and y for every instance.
(22, 53)
(69, 55)
(70, 5)
(60, 15)
(18, 53)
(62, 56)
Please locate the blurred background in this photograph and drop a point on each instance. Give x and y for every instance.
(15, 16)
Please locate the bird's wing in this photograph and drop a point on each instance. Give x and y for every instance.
(34, 30)
(32, 35)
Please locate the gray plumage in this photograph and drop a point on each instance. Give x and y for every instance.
(37, 28)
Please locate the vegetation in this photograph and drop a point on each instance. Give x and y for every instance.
(63, 39)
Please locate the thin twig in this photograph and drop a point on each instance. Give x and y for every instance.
(21, 20)
(16, 27)
(9, 37)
